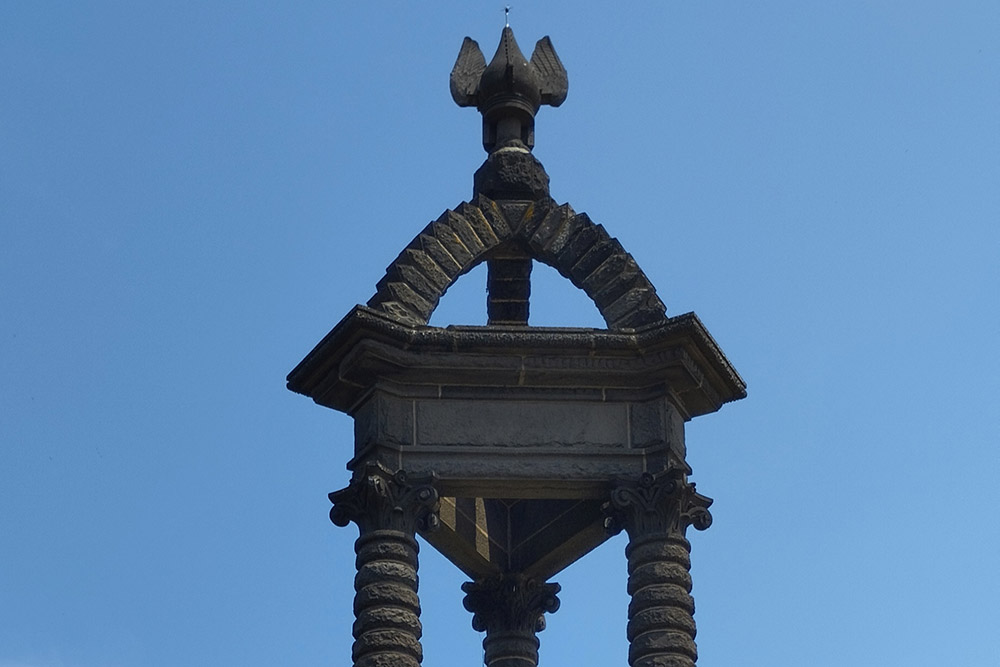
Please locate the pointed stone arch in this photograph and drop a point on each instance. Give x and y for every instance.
(554, 234)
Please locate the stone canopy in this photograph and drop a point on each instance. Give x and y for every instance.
(518, 421)
(515, 450)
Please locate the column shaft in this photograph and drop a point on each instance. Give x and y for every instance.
(661, 627)
(387, 630)
(388, 509)
(656, 511)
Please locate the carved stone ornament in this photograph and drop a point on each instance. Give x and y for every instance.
(510, 608)
(510, 603)
(508, 91)
(656, 510)
(657, 504)
(379, 499)
(541, 80)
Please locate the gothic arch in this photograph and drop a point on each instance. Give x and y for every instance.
(570, 242)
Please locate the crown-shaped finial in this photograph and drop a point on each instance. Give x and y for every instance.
(510, 90)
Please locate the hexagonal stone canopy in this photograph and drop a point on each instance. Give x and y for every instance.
(524, 429)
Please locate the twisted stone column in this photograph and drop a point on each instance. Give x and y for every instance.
(655, 511)
(388, 508)
(510, 608)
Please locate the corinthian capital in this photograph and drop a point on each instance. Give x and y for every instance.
(379, 499)
(656, 504)
(510, 603)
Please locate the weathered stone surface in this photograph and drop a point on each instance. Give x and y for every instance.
(649, 423)
(547, 228)
(508, 286)
(572, 244)
(661, 595)
(625, 280)
(628, 311)
(677, 645)
(502, 287)
(571, 225)
(452, 242)
(481, 225)
(502, 226)
(510, 608)
(372, 549)
(577, 246)
(437, 251)
(531, 215)
(548, 423)
(398, 641)
(593, 258)
(661, 617)
(661, 572)
(605, 272)
(663, 661)
(467, 234)
(405, 295)
(516, 211)
(508, 313)
(404, 272)
(385, 617)
(400, 312)
(656, 510)
(382, 571)
(511, 173)
(386, 659)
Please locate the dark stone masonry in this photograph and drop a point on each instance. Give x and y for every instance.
(515, 450)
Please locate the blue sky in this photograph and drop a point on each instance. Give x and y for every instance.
(193, 194)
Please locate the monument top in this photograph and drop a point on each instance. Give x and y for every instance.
(510, 90)
(515, 450)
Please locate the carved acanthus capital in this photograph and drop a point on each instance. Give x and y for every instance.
(657, 504)
(379, 499)
(510, 603)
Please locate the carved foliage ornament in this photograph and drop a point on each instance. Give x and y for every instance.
(657, 504)
(510, 603)
(379, 499)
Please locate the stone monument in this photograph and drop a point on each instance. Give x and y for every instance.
(515, 450)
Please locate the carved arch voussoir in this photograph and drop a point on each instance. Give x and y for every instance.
(570, 242)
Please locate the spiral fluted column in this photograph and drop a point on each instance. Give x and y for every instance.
(388, 508)
(510, 608)
(655, 511)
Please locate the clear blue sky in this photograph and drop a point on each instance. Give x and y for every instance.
(192, 194)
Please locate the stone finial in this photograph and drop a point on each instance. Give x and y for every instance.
(510, 90)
